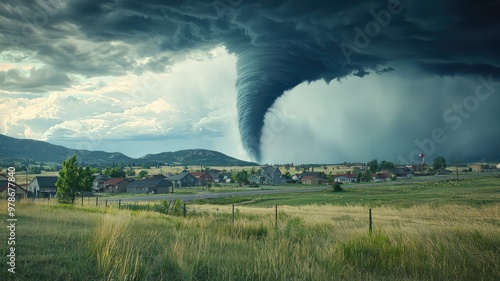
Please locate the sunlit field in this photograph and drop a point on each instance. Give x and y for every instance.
(437, 240)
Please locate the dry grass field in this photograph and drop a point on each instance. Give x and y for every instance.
(437, 240)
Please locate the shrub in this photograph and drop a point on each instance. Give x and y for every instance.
(177, 209)
(163, 207)
(337, 187)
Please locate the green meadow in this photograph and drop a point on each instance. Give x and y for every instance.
(421, 231)
(476, 192)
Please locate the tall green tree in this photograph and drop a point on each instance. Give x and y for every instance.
(386, 165)
(115, 172)
(373, 166)
(364, 176)
(142, 174)
(439, 163)
(130, 172)
(72, 180)
(240, 177)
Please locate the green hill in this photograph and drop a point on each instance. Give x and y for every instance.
(12, 149)
(197, 157)
(18, 150)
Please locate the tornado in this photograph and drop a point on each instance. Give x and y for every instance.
(263, 75)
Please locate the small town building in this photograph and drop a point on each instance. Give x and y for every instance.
(310, 178)
(347, 178)
(43, 186)
(98, 184)
(183, 179)
(203, 177)
(116, 185)
(268, 175)
(154, 184)
(20, 192)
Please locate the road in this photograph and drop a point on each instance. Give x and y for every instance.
(191, 197)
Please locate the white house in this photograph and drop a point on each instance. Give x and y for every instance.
(268, 175)
(346, 178)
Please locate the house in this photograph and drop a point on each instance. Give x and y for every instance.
(384, 175)
(268, 175)
(154, 184)
(254, 179)
(20, 193)
(216, 175)
(308, 180)
(183, 179)
(401, 171)
(479, 167)
(203, 177)
(116, 185)
(346, 178)
(43, 186)
(98, 184)
(313, 178)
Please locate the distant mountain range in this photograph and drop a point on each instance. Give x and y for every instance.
(17, 150)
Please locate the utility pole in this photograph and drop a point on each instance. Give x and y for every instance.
(27, 167)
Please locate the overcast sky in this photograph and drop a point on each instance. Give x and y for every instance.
(276, 81)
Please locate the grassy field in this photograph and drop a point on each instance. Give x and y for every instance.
(476, 192)
(428, 231)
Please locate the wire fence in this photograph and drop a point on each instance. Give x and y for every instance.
(360, 216)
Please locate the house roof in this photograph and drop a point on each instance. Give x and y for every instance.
(5, 183)
(269, 169)
(114, 181)
(198, 175)
(307, 178)
(46, 181)
(100, 177)
(179, 176)
(254, 176)
(214, 174)
(150, 182)
(3, 177)
(313, 174)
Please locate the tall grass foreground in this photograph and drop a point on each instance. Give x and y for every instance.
(311, 243)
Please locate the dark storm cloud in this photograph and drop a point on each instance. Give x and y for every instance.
(38, 80)
(279, 44)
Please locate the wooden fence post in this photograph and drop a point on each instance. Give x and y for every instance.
(106, 204)
(119, 204)
(184, 210)
(82, 199)
(96, 201)
(370, 222)
(233, 214)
